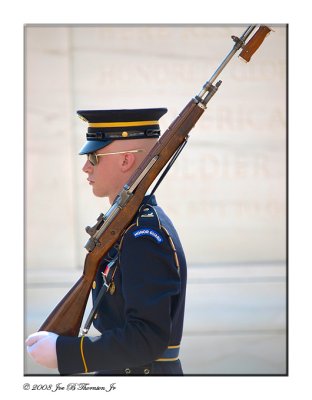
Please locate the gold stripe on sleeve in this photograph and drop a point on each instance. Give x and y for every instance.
(82, 354)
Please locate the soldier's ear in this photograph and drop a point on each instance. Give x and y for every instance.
(127, 161)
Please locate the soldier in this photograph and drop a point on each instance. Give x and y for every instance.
(140, 316)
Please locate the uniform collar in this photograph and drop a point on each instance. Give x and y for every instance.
(151, 200)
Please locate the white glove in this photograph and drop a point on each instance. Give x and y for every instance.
(41, 346)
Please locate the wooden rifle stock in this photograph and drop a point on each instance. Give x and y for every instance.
(66, 318)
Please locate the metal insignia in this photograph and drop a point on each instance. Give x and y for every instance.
(150, 215)
(112, 288)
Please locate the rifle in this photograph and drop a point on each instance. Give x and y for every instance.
(66, 318)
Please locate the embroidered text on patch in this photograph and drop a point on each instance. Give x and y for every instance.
(148, 232)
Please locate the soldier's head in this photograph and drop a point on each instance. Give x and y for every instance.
(117, 143)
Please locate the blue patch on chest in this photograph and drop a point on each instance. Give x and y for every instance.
(148, 232)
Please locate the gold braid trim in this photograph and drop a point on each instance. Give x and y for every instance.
(82, 354)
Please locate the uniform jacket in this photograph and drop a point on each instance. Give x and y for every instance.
(140, 320)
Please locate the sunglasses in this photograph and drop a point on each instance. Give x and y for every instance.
(93, 157)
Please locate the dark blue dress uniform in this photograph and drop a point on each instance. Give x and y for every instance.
(141, 320)
(140, 317)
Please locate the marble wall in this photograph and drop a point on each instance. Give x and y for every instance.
(226, 193)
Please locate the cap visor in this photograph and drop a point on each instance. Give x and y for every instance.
(92, 145)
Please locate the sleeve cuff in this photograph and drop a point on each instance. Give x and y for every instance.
(70, 355)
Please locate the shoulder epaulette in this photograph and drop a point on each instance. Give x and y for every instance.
(147, 216)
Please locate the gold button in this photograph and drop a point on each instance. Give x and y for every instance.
(94, 284)
(95, 317)
(146, 371)
(124, 134)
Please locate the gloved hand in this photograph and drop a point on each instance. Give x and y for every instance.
(41, 346)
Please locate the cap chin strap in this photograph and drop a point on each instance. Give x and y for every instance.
(134, 134)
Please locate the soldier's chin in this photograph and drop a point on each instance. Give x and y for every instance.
(98, 193)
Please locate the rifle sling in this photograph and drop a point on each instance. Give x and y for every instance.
(108, 279)
(166, 170)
